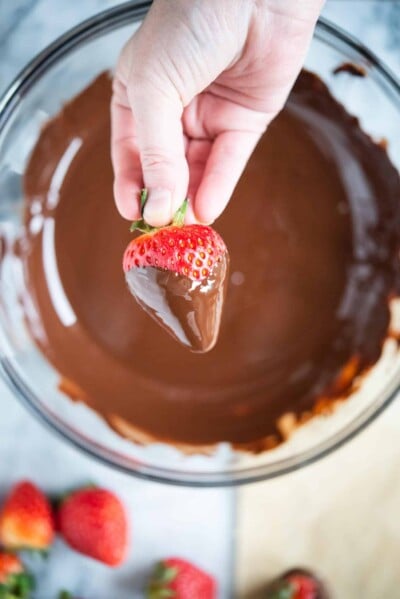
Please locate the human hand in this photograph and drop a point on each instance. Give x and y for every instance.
(194, 90)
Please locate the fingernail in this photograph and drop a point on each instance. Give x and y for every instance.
(203, 219)
(157, 210)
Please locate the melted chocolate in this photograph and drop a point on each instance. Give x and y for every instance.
(189, 310)
(351, 68)
(313, 237)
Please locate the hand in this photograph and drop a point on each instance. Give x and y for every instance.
(194, 90)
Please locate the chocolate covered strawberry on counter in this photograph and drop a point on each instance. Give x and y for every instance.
(178, 274)
(296, 584)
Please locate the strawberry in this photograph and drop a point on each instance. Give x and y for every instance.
(175, 577)
(296, 584)
(26, 520)
(178, 274)
(15, 582)
(93, 522)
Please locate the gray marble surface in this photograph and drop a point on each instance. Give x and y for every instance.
(164, 520)
(196, 524)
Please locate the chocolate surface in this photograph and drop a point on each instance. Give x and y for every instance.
(189, 310)
(313, 237)
(351, 68)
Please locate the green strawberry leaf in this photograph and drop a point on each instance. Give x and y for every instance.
(143, 227)
(65, 595)
(280, 590)
(180, 214)
(22, 584)
(162, 576)
(161, 594)
(18, 586)
(6, 594)
(143, 199)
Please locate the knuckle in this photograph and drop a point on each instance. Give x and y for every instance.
(157, 159)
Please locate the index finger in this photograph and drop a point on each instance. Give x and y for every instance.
(128, 179)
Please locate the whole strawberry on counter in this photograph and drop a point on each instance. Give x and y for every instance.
(179, 579)
(179, 274)
(26, 520)
(15, 582)
(296, 584)
(93, 522)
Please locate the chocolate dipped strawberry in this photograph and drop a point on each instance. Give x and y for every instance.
(296, 584)
(178, 274)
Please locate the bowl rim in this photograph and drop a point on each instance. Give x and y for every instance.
(105, 22)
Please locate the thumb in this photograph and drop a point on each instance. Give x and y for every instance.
(157, 113)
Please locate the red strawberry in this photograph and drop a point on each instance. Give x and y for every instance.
(296, 584)
(10, 564)
(26, 520)
(179, 579)
(178, 274)
(93, 522)
(15, 582)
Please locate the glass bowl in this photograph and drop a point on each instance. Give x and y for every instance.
(38, 92)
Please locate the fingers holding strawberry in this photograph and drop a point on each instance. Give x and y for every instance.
(178, 274)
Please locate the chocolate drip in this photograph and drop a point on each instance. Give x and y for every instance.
(190, 311)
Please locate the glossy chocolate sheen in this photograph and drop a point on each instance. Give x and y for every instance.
(313, 237)
(189, 310)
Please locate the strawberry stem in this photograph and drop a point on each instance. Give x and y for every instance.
(180, 214)
(143, 199)
(281, 590)
(17, 586)
(162, 577)
(143, 227)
